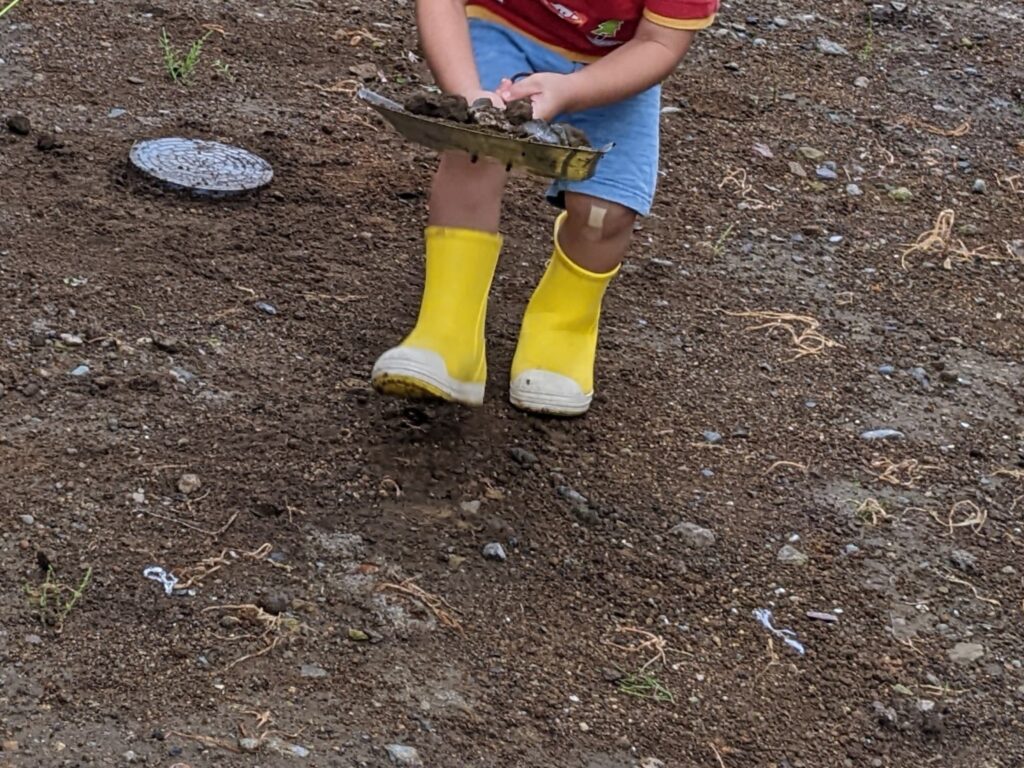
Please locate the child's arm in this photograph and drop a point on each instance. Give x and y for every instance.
(650, 57)
(444, 35)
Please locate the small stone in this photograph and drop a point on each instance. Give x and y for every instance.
(358, 636)
(963, 560)
(826, 173)
(523, 456)
(47, 143)
(828, 618)
(20, 125)
(920, 375)
(887, 370)
(135, 80)
(732, 66)
(365, 72)
(80, 371)
(811, 154)
(189, 483)
(694, 535)
(925, 705)
(882, 434)
(165, 343)
(901, 194)
(249, 744)
(861, 82)
(30, 390)
(797, 170)
(471, 507)
(980, 187)
(851, 549)
(652, 762)
(275, 602)
(266, 308)
(885, 715)
(28, 519)
(130, 756)
(116, 112)
(494, 551)
(966, 653)
(33, 639)
(831, 48)
(9, 746)
(611, 675)
(312, 670)
(403, 755)
(791, 556)
(182, 376)
(764, 151)
(853, 190)
(712, 437)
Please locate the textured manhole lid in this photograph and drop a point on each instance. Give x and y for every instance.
(201, 167)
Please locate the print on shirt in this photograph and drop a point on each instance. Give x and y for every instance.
(605, 33)
(566, 14)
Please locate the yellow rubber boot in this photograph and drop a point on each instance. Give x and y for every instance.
(553, 370)
(444, 356)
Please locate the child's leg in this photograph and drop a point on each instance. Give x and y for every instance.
(553, 370)
(445, 355)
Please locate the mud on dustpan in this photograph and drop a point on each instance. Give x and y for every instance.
(540, 148)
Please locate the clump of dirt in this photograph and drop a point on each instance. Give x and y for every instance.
(515, 119)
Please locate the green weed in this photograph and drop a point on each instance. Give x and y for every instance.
(55, 600)
(644, 685)
(181, 65)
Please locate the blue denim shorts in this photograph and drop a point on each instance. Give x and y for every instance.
(628, 174)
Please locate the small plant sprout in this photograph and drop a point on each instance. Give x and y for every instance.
(8, 7)
(56, 600)
(181, 65)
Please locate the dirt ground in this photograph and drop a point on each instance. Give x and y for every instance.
(337, 608)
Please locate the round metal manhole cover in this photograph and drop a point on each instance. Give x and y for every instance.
(201, 167)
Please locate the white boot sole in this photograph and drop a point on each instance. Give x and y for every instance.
(540, 391)
(420, 373)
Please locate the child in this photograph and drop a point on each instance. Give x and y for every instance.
(597, 64)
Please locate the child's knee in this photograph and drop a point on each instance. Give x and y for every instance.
(598, 220)
(459, 171)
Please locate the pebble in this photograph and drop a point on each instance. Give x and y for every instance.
(851, 549)
(116, 112)
(963, 560)
(249, 744)
(920, 375)
(831, 48)
(81, 370)
(523, 456)
(130, 756)
(712, 437)
(9, 746)
(20, 125)
(901, 194)
(494, 551)
(980, 187)
(266, 308)
(791, 555)
(887, 370)
(797, 170)
(966, 653)
(275, 602)
(33, 639)
(861, 82)
(826, 173)
(183, 376)
(694, 535)
(881, 434)
(28, 519)
(403, 755)
(358, 636)
(71, 339)
(48, 142)
(312, 670)
(189, 483)
(853, 190)
(652, 762)
(812, 154)
(135, 80)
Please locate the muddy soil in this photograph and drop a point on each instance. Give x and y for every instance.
(184, 384)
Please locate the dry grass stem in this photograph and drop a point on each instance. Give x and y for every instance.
(963, 514)
(648, 642)
(736, 178)
(974, 590)
(787, 465)
(870, 512)
(803, 330)
(939, 241)
(913, 122)
(276, 629)
(442, 610)
(903, 474)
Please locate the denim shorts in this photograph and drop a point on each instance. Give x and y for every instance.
(628, 174)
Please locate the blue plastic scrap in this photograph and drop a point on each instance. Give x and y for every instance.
(788, 636)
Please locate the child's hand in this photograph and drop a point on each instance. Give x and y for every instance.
(550, 93)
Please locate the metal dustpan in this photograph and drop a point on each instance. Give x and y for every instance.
(548, 160)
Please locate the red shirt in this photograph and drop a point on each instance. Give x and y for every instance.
(588, 29)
